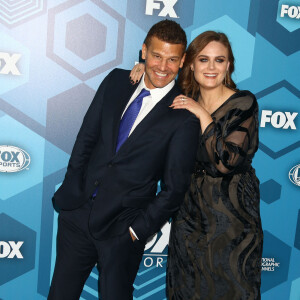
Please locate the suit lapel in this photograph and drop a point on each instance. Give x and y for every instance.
(113, 112)
(118, 114)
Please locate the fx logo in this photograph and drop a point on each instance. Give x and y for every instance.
(278, 119)
(168, 8)
(157, 256)
(292, 11)
(10, 249)
(162, 242)
(10, 63)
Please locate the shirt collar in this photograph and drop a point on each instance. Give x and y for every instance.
(157, 93)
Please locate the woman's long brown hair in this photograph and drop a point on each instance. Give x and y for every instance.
(186, 77)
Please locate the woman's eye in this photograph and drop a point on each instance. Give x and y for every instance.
(203, 59)
(220, 60)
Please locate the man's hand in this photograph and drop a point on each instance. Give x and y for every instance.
(132, 236)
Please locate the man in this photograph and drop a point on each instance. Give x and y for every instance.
(129, 140)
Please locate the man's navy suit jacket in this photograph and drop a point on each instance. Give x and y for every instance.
(162, 147)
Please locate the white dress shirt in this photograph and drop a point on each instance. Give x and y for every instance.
(148, 103)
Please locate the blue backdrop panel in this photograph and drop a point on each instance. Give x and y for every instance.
(53, 56)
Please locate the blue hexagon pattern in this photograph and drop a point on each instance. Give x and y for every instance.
(61, 69)
(270, 191)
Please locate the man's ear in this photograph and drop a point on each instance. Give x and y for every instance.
(144, 51)
(182, 61)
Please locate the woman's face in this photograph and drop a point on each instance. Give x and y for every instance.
(210, 65)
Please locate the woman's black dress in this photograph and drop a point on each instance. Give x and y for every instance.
(216, 238)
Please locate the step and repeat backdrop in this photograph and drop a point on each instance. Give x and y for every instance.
(53, 56)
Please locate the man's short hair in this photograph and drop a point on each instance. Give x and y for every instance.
(167, 31)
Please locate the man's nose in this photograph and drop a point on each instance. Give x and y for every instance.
(163, 65)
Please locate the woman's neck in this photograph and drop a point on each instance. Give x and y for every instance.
(211, 99)
(211, 96)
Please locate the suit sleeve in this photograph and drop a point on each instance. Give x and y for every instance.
(178, 167)
(86, 140)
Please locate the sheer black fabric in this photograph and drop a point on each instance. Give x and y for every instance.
(216, 238)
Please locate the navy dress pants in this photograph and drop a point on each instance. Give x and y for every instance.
(117, 259)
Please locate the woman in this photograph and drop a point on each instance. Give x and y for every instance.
(216, 238)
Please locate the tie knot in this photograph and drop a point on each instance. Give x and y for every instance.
(144, 93)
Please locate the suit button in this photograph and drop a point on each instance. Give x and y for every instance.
(110, 165)
(96, 183)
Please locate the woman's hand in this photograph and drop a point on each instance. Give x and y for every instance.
(183, 102)
(136, 73)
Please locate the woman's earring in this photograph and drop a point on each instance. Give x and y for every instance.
(225, 78)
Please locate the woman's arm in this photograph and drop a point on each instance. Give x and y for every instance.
(231, 139)
(184, 102)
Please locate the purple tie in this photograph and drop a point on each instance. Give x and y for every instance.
(128, 120)
(129, 117)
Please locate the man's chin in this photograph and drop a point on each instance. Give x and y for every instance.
(160, 84)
